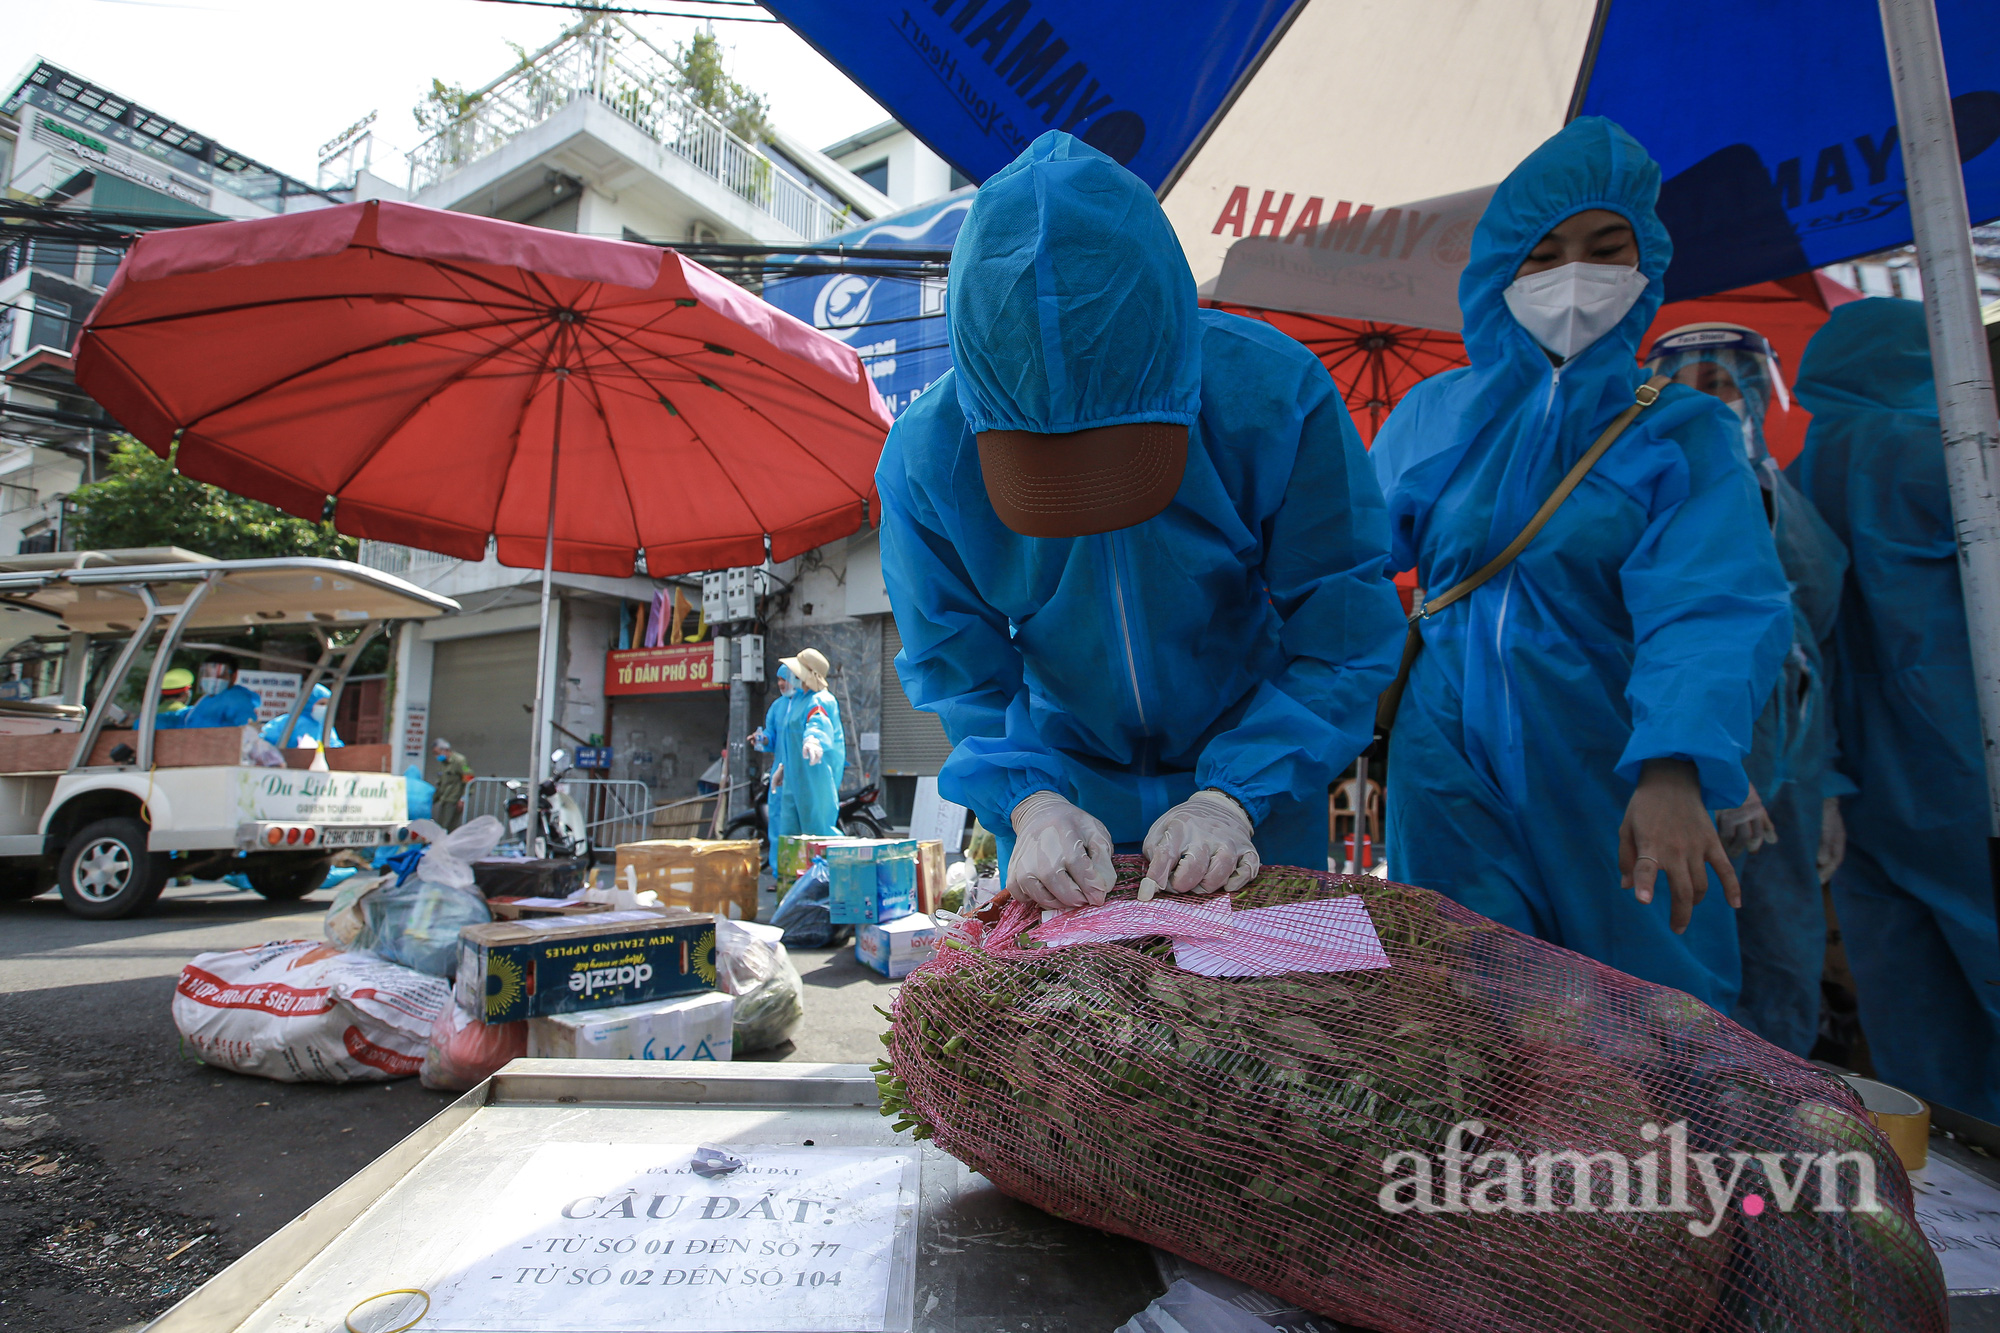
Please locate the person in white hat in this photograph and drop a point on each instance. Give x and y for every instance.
(815, 749)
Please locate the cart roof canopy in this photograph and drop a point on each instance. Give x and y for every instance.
(109, 598)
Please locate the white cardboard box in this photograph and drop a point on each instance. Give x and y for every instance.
(688, 1027)
(897, 948)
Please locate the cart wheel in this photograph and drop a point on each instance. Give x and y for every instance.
(106, 871)
(287, 879)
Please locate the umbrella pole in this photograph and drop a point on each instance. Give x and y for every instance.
(1959, 361)
(537, 760)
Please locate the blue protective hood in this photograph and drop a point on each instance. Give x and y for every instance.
(1872, 355)
(1589, 163)
(1070, 302)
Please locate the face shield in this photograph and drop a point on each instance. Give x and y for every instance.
(1730, 363)
(213, 678)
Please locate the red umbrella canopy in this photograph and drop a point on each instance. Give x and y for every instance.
(1374, 364)
(442, 378)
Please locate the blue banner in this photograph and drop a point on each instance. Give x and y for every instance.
(895, 324)
(979, 80)
(1773, 121)
(1774, 125)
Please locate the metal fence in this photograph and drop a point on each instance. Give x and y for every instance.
(617, 67)
(615, 810)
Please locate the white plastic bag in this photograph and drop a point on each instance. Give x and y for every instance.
(303, 1012)
(449, 860)
(751, 964)
(1186, 1308)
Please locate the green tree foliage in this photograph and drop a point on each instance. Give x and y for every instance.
(442, 106)
(707, 84)
(142, 501)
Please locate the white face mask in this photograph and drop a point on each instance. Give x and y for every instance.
(319, 712)
(1567, 309)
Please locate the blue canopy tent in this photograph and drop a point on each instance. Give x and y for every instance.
(1791, 136)
(1774, 123)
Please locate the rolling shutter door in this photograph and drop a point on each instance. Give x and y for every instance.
(913, 743)
(478, 688)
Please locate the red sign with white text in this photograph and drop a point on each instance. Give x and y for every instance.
(688, 666)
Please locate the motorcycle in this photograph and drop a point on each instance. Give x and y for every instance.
(861, 815)
(558, 818)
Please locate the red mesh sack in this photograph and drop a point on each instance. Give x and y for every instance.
(1271, 1127)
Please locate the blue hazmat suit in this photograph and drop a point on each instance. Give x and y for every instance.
(1237, 639)
(1914, 895)
(812, 791)
(777, 815)
(306, 733)
(1782, 924)
(234, 707)
(1647, 619)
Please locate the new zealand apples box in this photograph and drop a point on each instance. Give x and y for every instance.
(509, 970)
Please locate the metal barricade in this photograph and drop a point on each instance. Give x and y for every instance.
(615, 810)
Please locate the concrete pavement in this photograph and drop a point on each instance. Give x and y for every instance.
(130, 1172)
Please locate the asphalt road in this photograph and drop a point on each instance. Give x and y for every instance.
(130, 1172)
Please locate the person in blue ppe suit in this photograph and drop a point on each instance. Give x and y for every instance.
(223, 703)
(1133, 549)
(1914, 894)
(1786, 838)
(770, 739)
(1569, 726)
(306, 735)
(815, 752)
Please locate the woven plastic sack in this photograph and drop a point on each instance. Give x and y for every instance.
(1296, 1131)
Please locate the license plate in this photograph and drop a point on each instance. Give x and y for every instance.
(349, 837)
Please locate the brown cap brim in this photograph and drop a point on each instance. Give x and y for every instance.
(1084, 482)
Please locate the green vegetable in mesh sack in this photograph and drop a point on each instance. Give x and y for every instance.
(751, 964)
(1489, 1133)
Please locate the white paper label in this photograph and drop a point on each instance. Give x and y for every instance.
(608, 1236)
(1960, 1215)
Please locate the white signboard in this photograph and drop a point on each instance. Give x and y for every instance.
(415, 722)
(609, 1236)
(933, 817)
(299, 796)
(277, 691)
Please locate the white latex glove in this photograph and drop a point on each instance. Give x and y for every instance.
(1746, 828)
(1832, 838)
(812, 751)
(1201, 845)
(1062, 855)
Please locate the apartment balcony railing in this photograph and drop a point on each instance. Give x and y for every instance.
(405, 562)
(618, 68)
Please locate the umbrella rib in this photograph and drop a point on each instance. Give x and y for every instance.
(693, 434)
(334, 360)
(274, 303)
(367, 455)
(747, 406)
(592, 391)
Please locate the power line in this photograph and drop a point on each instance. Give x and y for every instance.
(644, 13)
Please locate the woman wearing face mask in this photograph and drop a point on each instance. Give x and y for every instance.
(1787, 839)
(1569, 724)
(311, 722)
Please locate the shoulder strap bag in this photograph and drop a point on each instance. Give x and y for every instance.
(1385, 708)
